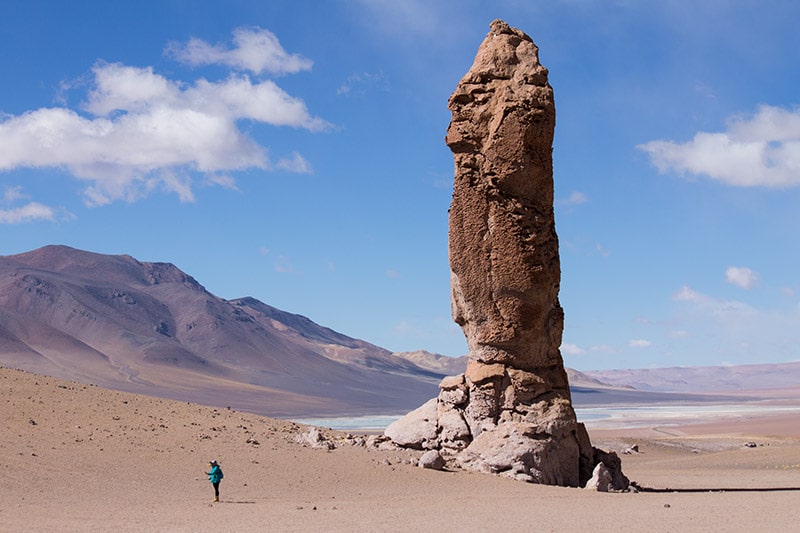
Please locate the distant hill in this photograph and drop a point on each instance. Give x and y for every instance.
(738, 378)
(150, 328)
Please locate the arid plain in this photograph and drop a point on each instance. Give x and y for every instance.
(77, 457)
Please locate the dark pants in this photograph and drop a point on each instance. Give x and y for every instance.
(216, 489)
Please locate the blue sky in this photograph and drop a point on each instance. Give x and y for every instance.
(293, 151)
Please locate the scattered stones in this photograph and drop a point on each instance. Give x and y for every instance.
(315, 439)
(353, 440)
(432, 459)
(381, 442)
(750, 445)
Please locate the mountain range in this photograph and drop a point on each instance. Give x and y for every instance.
(150, 328)
(116, 322)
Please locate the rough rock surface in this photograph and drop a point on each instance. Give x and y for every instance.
(432, 459)
(601, 478)
(511, 411)
(315, 439)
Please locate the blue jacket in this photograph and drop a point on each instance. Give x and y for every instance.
(215, 475)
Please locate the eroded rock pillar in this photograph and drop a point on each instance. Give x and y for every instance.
(511, 411)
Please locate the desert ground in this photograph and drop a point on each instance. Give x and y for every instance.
(77, 457)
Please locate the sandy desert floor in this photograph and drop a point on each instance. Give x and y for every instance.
(81, 458)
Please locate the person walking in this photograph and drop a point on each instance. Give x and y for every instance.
(215, 476)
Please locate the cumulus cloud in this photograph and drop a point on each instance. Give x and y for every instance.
(639, 343)
(12, 194)
(762, 150)
(721, 309)
(255, 49)
(140, 130)
(27, 212)
(688, 294)
(571, 349)
(741, 277)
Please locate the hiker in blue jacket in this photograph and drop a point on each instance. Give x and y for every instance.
(215, 476)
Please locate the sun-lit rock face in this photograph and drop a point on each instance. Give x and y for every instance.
(503, 244)
(511, 411)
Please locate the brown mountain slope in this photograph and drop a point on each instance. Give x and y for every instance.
(151, 328)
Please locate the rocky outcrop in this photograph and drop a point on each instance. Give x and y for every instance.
(511, 411)
(600, 480)
(432, 460)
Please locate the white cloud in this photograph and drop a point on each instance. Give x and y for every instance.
(735, 331)
(571, 349)
(30, 212)
(687, 294)
(12, 194)
(741, 277)
(639, 343)
(728, 311)
(295, 163)
(761, 150)
(223, 180)
(256, 49)
(144, 131)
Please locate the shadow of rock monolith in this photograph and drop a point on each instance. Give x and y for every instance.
(511, 412)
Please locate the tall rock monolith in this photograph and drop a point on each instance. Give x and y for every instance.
(511, 411)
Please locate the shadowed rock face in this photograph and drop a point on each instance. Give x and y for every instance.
(511, 411)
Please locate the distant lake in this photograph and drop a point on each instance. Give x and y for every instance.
(593, 417)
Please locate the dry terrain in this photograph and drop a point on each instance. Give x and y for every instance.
(81, 458)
